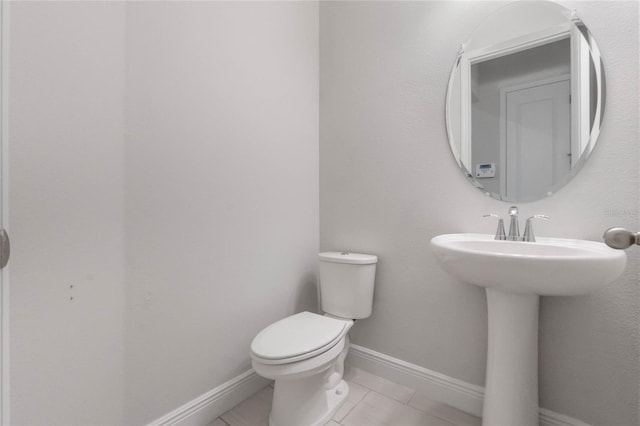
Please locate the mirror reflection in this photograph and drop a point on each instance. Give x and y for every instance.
(525, 101)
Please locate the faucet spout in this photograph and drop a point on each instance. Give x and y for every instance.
(514, 230)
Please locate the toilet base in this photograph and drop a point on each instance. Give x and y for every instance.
(306, 403)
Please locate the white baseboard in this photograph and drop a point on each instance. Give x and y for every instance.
(551, 418)
(205, 408)
(462, 395)
(457, 393)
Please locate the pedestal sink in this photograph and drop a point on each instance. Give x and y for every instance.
(515, 275)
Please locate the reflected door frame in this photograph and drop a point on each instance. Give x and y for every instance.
(507, 47)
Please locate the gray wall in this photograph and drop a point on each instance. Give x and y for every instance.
(66, 204)
(388, 184)
(221, 225)
(171, 146)
(222, 189)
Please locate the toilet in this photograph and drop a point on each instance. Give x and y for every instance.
(305, 353)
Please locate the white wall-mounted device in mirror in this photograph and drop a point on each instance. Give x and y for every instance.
(525, 101)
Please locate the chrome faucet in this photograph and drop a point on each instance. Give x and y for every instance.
(528, 229)
(514, 230)
(500, 235)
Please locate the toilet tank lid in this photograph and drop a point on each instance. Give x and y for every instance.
(347, 257)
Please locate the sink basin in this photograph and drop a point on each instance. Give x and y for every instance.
(548, 267)
(515, 274)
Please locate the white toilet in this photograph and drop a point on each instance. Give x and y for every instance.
(305, 353)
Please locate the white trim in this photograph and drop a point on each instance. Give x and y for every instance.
(536, 83)
(577, 94)
(466, 123)
(518, 44)
(207, 407)
(4, 210)
(437, 386)
(551, 418)
(457, 393)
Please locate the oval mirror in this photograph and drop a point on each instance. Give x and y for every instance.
(525, 101)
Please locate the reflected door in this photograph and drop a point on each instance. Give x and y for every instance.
(538, 139)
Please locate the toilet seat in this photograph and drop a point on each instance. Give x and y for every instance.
(298, 337)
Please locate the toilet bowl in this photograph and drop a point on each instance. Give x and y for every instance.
(304, 353)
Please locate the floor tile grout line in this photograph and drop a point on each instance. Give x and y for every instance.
(413, 391)
(381, 391)
(355, 405)
(447, 421)
(389, 396)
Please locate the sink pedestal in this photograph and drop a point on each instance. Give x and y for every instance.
(511, 390)
(510, 272)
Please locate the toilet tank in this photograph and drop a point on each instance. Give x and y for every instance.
(346, 284)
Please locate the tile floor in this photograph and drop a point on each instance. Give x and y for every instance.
(373, 401)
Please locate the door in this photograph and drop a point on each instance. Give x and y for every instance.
(538, 139)
(4, 239)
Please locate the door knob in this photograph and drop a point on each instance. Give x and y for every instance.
(620, 238)
(5, 248)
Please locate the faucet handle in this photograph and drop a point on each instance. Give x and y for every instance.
(528, 229)
(500, 234)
